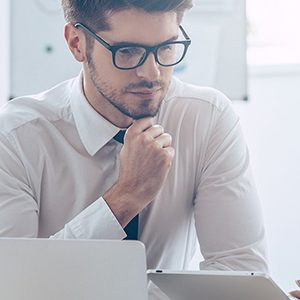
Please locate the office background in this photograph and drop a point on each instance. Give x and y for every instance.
(34, 57)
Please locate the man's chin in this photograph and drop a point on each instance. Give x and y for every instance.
(143, 116)
(137, 115)
(146, 109)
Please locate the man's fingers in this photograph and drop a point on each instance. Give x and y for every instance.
(140, 125)
(149, 132)
(164, 140)
(295, 294)
(155, 131)
(171, 151)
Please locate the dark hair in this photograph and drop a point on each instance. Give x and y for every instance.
(93, 13)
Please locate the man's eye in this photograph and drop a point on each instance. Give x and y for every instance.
(124, 51)
(166, 47)
(130, 51)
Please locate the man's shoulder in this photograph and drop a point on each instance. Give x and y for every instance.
(49, 106)
(202, 96)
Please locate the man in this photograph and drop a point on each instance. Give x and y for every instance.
(183, 168)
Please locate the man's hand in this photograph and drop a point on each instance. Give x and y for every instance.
(296, 294)
(145, 161)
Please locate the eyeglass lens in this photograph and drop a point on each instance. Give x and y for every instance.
(168, 54)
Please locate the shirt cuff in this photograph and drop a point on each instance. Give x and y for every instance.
(97, 221)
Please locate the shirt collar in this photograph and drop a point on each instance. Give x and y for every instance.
(94, 130)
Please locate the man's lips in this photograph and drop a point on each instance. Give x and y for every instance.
(145, 94)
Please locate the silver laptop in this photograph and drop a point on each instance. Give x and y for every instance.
(216, 285)
(40, 269)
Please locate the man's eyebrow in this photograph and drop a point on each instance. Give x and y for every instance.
(174, 38)
(124, 43)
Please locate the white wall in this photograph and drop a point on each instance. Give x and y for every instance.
(217, 55)
(40, 57)
(4, 51)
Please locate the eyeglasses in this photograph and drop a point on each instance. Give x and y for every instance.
(131, 56)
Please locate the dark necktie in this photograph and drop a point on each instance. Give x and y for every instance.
(132, 227)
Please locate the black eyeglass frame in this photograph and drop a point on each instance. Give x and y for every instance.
(149, 49)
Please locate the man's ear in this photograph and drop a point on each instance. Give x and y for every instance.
(76, 41)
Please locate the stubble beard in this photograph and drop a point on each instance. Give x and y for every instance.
(144, 110)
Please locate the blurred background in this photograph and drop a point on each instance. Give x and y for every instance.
(248, 50)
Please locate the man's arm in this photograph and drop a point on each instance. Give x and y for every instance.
(18, 208)
(228, 213)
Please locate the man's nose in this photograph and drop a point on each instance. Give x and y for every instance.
(150, 69)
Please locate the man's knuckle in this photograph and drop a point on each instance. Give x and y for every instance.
(155, 145)
(159, 127)
(145, 138)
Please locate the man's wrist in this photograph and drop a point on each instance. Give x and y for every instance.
(122, 204)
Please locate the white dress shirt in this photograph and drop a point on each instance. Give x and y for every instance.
(58, 158)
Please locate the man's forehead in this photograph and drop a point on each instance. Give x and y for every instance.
(136, 26)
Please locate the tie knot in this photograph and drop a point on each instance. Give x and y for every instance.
(119, 137)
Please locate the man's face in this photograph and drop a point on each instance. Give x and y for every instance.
(136, 93)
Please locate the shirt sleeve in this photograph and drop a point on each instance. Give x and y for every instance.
(19, 210)
(228, 214)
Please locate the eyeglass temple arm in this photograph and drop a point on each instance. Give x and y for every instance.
(106, 45)
(184, 33)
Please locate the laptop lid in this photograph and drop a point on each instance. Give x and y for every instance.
(208, 285)
(35, 269)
